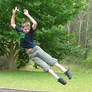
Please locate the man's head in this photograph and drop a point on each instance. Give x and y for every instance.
(26, 26)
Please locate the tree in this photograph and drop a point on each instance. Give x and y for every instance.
(46, 12)
(81, 25)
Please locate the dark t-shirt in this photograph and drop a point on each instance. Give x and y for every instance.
(26, 40)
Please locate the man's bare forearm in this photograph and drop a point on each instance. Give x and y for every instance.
(13, 19)
(32, 19)
(34, 23)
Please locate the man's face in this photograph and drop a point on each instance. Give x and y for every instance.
(26, 29)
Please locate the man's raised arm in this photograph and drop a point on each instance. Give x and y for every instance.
(13, 18)
(34, 25)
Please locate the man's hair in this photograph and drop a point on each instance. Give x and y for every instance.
(25, 24)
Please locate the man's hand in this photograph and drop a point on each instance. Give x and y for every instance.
(34, 25)
(26, 12)
(14, 10)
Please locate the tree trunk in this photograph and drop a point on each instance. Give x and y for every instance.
(11, 66)
(11, 59)
(69, 31)
(87, 24)
(86, 33)
(80, 29)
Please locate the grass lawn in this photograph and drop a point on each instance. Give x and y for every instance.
(35, 80)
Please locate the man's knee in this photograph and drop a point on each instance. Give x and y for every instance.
(46, 68)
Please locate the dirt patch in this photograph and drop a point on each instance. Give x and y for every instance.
(16, 90)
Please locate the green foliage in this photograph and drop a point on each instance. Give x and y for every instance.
(75, 51)
(66, 10)
(48, 14)
(21, 59)
(3, 63)
(54, 41)
(2, 49)
(50, 40)
(88, 60)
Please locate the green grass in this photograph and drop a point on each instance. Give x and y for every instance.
(81, 81)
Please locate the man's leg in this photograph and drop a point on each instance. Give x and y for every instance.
(45, 56)
(50, 71)
(52, 61)
(46, 68)
(60, 67)
(66, 72)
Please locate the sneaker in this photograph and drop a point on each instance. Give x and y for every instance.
(62, 81)
(69, 74)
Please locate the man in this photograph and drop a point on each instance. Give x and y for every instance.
(38, 55)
